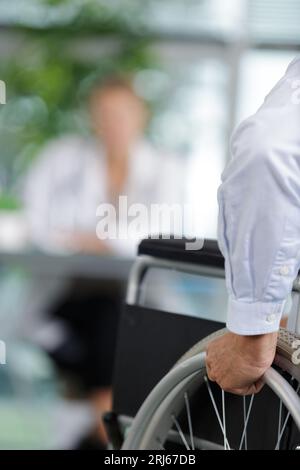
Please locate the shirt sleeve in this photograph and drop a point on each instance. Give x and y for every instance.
(259, 210)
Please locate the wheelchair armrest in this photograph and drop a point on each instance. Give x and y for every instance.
(175, 250)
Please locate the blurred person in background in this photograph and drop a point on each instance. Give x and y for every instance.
(70, 179)
(74, 175)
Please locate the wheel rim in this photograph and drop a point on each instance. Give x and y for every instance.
(152, 425)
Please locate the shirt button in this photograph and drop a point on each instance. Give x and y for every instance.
(284, 270)
(271, 318)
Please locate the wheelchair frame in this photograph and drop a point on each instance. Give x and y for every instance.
(116, 424)
(146, 262)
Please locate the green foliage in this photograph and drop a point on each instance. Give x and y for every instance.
(47, 78)
(9, 203)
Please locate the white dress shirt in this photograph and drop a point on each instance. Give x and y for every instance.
(259, 210)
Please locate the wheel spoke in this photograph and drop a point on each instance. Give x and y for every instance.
(282, 431)
(216, 411)
(279, 422)
(178, 427)
(160, 444)
(244, 416)
(188, 411)
(284, 426)
(224, 419)
(246, 421)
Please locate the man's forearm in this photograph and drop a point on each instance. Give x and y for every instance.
(259, 223)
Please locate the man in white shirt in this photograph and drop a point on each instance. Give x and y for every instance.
(259, 235)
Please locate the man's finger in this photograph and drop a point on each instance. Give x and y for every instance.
(210, 374)
(258, 385)
(250, 390)
(236, 391)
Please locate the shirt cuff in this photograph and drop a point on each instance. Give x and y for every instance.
(253, 318)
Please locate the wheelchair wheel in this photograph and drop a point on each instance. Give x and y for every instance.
(186, 411)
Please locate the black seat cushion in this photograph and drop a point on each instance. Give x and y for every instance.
(175, 250)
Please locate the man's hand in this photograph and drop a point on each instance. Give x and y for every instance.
(237, 363)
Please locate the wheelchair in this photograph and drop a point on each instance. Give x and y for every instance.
(163, 400)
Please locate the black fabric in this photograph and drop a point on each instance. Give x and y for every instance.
(88, 351)
(175, 250)
(149, 344)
